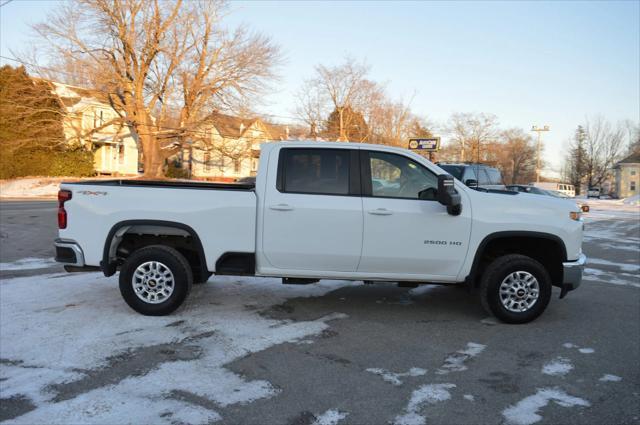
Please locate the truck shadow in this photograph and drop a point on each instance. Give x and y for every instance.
(428, 303)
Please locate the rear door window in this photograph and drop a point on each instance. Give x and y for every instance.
(314, 171)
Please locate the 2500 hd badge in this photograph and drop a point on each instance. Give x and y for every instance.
(429, 242)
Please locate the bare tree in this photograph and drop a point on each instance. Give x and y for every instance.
(515, 155)
(392, 123)
(311, 106)
(471, 132)
(604, 144)
(164, 65)
(345, 86)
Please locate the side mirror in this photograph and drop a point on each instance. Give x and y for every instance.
(447, 194)
(472, 183)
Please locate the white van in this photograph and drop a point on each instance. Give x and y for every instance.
(566, 188)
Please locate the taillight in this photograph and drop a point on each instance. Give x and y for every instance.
(63, 196)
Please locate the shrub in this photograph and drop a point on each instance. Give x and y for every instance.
(176, 171)
(51, 163)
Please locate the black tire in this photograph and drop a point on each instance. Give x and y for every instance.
(497, 271)
(174, 261)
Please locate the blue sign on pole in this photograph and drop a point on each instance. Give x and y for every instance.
(430, 144)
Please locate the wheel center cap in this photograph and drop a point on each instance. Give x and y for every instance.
(152, 283)
(520, 293)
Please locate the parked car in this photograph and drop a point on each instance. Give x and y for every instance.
(537, 191)
(476, 175)
(527, 189)
(566, 188)
(593, 192)
(315, 213)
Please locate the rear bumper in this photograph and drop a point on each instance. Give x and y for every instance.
(572, 274)
(69, 253)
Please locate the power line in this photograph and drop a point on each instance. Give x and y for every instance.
(6, 3)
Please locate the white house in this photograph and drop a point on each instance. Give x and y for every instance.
(87, 123)
(228, 147)
(628, 176)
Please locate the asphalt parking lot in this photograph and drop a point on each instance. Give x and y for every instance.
(253, 351)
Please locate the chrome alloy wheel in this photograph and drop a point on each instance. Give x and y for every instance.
(519, 291)
(153, 282)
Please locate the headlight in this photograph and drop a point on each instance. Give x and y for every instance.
(575, 215)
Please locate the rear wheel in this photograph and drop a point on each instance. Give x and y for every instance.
(515, 288)
(155, 280)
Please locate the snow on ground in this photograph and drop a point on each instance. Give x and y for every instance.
(525, 412)
(59, 329)
(557, 367)
(37, 187)
(330, 417)
(610, 378)
(394, 378)
(28, 264)
(632, 200)
(456, 362)
(426, 394)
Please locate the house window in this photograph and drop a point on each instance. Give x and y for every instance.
(633, 172)
(236, 166)
(206, 159)
(121, 154)
(632, 186)
(98, 118)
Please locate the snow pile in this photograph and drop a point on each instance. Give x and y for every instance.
(57, 332)
(632, 200)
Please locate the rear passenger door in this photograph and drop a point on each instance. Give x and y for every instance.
(313, 214)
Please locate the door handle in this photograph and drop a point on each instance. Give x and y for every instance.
(380, 211)
(281, 207)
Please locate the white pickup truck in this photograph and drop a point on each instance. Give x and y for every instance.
(321, 210)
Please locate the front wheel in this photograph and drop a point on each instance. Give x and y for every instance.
(515, 288)
(155, 280)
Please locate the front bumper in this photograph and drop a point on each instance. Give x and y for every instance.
(572, 274)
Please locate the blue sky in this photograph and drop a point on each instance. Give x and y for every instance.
(527, 62)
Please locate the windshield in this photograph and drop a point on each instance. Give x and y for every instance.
(454, 170)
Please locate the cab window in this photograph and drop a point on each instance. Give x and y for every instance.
(396, 176)
(314, 171)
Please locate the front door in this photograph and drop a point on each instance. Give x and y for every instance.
(406, 231)
(313, 215)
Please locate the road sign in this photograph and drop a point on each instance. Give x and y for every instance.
(429, 144)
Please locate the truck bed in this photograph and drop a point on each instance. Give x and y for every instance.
(167, 184)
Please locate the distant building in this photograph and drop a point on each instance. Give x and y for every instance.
(86, 122)
(628, 176)
(227, 147)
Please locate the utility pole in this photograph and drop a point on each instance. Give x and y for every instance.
(538, 130)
